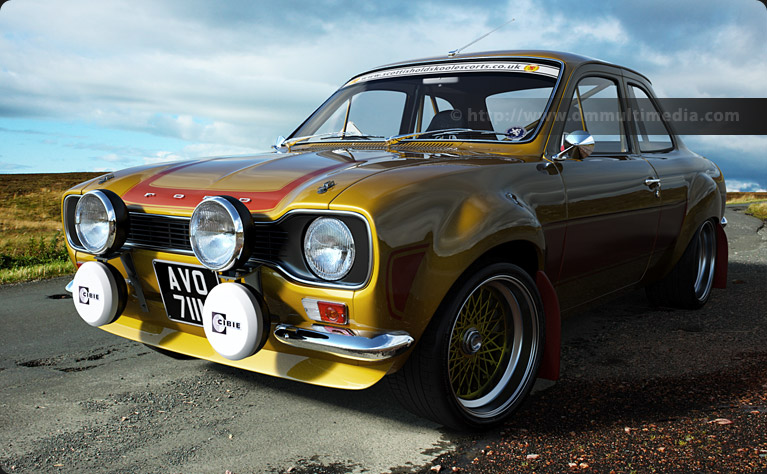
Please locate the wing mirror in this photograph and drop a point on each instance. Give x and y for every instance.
(579, 145)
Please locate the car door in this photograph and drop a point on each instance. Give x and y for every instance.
(612, 199)
(670, 160)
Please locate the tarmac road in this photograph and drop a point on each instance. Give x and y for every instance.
(76, 399)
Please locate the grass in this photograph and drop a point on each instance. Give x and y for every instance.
(758, 210)
(758, 206)
(36, 272)
(31, 240)
(745, 197)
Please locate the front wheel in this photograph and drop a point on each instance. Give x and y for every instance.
(479, 357)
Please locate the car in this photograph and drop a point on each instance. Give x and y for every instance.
(429, 224)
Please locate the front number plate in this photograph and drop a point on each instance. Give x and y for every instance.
(184, 289)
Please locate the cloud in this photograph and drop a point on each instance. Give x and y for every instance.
(12, 166)
(735, 185)
(112, 161)
(739, 157)
(21, 132)
(162, 157)
(111, 157)
(233, 75)
(743, 147)
(199, 150)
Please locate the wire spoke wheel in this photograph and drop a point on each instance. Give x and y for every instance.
(479, 357)
(493, 346)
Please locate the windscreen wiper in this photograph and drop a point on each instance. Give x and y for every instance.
(351, 136)
(446, 131)
(285, 145)
(393, 140)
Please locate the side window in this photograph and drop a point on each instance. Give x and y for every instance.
(595, 108)
(650, 130)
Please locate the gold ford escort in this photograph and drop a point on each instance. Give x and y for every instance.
(429, 222)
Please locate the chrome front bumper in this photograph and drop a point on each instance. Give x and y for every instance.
(382, 346)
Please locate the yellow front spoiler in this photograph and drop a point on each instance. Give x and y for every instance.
(302, 368)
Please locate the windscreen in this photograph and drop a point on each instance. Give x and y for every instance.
(502, 101)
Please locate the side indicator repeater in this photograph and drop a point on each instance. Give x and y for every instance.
(326, 311)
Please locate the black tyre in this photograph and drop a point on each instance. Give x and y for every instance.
(689, 283)
(479, 357)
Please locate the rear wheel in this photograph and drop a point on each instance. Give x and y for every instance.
(689, 284)
(478, 359)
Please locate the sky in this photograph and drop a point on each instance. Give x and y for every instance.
(89, 85)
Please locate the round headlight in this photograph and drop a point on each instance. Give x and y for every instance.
(101, 221)
(329, 248)
(220, 231)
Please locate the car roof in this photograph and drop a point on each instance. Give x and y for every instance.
(569, 59)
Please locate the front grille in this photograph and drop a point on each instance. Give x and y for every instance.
(270, 244)
(159, 232)
(172, 234)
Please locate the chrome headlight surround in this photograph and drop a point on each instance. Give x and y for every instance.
(329, 248)
(221, 233)
(101, 222)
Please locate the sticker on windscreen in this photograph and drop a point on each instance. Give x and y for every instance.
(451, 68)
(515, 133)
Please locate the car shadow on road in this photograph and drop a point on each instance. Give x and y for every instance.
(373, 401)
(623, 362)
(576, 405)
(629, 362)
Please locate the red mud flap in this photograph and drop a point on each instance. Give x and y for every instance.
(551, 352)
(720, 272)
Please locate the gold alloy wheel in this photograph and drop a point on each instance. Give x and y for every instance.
(492, 347)
(479, 343)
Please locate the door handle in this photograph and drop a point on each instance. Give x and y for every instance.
(652, 182)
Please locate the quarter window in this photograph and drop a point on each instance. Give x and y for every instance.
(650, 130)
